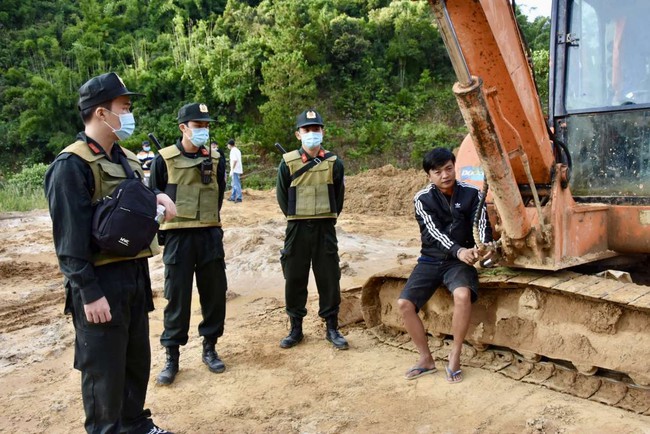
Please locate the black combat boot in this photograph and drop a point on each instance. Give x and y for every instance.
(210, 356)
(295, 335)
(168, 374)
(333, 335)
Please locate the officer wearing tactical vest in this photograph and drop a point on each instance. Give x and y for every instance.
(108, 296)
(310, 193)
(193, 175)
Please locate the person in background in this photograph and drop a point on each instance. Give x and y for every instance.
(145, 157)
(444, 210)
(109, 297)
(194, 176)
(310, 193)
(236, 170)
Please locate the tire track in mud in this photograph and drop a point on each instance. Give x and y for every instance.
(28, 289)
(28, 312)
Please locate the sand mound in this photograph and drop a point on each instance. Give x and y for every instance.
(383, 191)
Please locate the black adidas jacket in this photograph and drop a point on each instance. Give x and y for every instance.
(446, 227)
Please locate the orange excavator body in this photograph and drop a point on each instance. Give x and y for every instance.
(531, 165)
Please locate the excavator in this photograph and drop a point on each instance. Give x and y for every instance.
(568, 306)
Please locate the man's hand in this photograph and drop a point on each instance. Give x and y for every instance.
(489, 254)
(168, 203)
(99, 311)
(468, 256)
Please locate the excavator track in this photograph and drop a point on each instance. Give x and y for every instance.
(578, 334)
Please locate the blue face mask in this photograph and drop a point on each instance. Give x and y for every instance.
(311, 140)
(200, 136)
(127, 125)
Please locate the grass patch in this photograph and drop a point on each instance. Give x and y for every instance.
(261, 179)
(14, 198)
(23, 191)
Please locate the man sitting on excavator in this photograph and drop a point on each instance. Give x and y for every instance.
(444, 211)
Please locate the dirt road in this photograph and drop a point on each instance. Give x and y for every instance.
(311, 388)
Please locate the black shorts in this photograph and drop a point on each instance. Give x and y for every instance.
(429, 273)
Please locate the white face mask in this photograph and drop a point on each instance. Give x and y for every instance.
(127, 125)
(312, 139)
(200, 136)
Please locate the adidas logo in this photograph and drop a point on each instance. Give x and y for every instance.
(123, 241)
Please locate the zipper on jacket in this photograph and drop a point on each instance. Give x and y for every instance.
(451, 211)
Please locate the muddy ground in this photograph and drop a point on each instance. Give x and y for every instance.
(311, 388)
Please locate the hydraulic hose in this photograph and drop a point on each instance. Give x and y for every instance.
(475, 231)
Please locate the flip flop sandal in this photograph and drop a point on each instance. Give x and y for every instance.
(419, 372)
(454, 377)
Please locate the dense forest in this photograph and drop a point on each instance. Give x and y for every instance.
(377, 71)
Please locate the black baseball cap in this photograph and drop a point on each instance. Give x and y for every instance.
(309, 117)
(194, 112)
(105, 87)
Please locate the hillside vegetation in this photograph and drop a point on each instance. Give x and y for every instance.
(377, 71)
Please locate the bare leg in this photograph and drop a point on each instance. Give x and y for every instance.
(415, 329)
(459, 324)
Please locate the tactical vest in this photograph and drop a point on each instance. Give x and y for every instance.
(197, 204)
(107, 176)
(311, 195)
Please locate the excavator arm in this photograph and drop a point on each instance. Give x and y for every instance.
(541, 225)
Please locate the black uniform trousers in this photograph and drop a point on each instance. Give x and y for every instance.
(311, 242)
(187, 252)
(115, 357)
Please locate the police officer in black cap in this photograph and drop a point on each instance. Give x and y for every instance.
(194, 176)
(310, 193)
(108, 296)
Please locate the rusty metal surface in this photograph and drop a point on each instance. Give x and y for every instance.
(492, 49)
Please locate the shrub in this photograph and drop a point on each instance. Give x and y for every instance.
(29, 179)
(23, 191)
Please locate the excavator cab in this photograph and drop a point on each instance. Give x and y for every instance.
(600, 97)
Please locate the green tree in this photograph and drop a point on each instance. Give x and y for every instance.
(290, 86)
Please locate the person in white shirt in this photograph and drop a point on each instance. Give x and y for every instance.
(236, 170)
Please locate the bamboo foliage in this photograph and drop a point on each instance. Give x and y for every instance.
(376, 69)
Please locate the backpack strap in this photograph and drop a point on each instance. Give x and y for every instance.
(127, 168)
(309, 165)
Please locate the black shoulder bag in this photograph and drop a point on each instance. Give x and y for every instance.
(124, 222)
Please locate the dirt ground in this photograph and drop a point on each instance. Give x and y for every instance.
(311, 388)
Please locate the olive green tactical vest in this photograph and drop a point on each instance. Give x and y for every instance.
(311, 195)
(108, 175)
(197, 204)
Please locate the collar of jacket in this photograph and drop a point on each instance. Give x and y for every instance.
(305, 157)
(96, 148)
(202, 152)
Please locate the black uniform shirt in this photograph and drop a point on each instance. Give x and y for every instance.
(284, 182)
(69, 187)
(159, 177)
